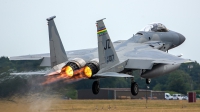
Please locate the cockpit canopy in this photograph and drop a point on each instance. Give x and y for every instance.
(155, 27)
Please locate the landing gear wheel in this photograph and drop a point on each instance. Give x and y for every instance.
(95, 87)
(148, 81)
(134, 88)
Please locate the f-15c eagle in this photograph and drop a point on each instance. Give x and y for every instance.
(145, 51)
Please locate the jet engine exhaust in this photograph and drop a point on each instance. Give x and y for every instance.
(88, 71)
(75, 70)
(91, 68)
(68, 71)
(67, 75)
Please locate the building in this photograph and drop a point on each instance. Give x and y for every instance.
(120, 93)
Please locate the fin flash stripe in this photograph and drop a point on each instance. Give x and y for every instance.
(101, 31)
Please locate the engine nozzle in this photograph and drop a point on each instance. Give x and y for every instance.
(72, 66)
(91, 68)
(69, 69)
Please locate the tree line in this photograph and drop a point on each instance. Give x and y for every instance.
(186, 78)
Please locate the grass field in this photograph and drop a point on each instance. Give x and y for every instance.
(42, 103)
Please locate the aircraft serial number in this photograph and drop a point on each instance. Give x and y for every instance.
(110, 58)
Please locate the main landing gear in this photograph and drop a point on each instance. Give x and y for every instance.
(134, 88)
(95, 87)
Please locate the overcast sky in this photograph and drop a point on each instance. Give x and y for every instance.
(23, 26)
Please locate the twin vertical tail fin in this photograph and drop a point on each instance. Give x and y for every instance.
(107, 53)
(57, 51)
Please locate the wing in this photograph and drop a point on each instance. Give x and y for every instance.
(45, 57)
(145, 56)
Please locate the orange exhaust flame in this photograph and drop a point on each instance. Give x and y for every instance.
(68, 71)
(88, 71)
(65, 76)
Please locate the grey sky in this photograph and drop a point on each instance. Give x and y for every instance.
(23, 25)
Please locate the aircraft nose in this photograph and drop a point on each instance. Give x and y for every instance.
(181, 38)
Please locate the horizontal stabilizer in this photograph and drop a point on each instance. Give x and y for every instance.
(112, 74)
(29, 73)
(24, 58)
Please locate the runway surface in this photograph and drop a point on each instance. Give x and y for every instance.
(55, 103)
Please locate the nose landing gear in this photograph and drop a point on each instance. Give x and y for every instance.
(148, 81)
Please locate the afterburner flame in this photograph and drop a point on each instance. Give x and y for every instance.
(66, 76)
(69, 71)
(88, 71)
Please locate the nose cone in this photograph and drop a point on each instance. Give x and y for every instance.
(181, 38)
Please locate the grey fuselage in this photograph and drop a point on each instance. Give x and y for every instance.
(127, 49)
(170, 39)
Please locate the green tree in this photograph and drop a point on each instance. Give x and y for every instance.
(158, 87)
(178, 81)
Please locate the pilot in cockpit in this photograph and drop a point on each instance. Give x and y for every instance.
(155, 27)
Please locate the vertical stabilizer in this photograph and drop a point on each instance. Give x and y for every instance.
(107, 53)
(57, 51)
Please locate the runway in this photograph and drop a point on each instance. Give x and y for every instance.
(55, 103)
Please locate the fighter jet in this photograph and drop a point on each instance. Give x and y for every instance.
(146, 51)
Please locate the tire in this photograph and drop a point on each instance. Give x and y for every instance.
(95, 87)
(134, 88)
(148, 81)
